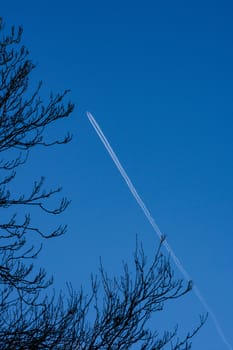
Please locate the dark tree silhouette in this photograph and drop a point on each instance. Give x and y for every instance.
(29, 319)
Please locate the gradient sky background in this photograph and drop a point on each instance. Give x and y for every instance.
(158, 77)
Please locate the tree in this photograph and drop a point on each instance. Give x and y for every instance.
(29, 318)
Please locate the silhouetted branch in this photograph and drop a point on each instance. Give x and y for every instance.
(23, 122)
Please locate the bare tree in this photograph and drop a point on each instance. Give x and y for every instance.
(23, 120)
(29, 319)
(129, 301)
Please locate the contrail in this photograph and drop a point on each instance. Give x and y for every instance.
(155, 226)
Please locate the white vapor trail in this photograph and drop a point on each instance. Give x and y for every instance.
(155, 226)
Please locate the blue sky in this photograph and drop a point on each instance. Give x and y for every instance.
(157, 75)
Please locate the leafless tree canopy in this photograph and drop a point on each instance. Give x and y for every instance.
(119, 307)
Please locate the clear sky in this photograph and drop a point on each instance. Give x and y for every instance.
(158, 77)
